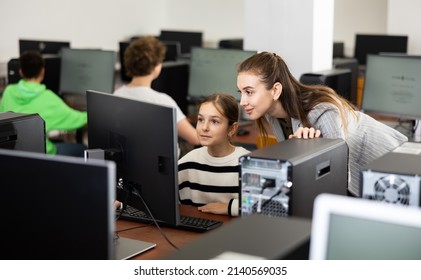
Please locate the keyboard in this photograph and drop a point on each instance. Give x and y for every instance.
(186, 222)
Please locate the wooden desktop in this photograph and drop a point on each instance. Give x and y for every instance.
(150, 233)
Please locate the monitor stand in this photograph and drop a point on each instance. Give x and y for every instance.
(126, 248)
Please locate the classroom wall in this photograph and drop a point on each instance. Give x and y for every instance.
(403, 17)
(358, 16)
(101, 24)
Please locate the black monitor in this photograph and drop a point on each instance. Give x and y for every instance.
(25, 132)
(338, 50)
(86, 69)
(56, 208)
(44, 47)
(142, 139)
(373, 44)
(187, 39)
(214, 70)
(51, 76)
(392, 86)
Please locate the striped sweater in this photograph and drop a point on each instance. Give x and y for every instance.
(203, 178)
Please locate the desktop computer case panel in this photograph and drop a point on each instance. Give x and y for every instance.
(297, 171)
(393, 178)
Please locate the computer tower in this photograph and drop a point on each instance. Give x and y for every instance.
(393, 178)
(283, 179)
(352, 65)
(174, 80)
(338, 79)
(24, 132)
(52, 72)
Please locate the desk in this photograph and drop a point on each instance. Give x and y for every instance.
(250, 138)
(151, 233)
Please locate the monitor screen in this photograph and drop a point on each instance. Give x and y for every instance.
(392, 86)
(25, 132)
(187, 39)
(146, 154)
(86, 69)
(215, 70)
(60, 209)
(345, 228)
(44, 47)
(374, 44)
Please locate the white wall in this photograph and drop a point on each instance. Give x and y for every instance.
(97, 23)
(93, 24)
(299, 31)
(102, 24)
(217, 19)
(358, 16)
(404, 18)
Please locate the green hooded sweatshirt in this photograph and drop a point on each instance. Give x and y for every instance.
(30, 97)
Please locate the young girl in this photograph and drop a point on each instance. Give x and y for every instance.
(273, 97)
(208, 176)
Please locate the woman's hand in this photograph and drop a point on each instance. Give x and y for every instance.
(306, 133)
(215, 208)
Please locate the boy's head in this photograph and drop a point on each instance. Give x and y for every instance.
(143, 55)
(31, 64)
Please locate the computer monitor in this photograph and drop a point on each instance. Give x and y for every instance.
(51, 76)
(187, 39)
(56, 207)
(214, 70)
(366, 44)
(25, 132)
(44, 47)
(338, 50)
(349, 228)
(142, 139)
(392, 86)
(86, 69)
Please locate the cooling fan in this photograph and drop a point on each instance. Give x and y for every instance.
(392, 189)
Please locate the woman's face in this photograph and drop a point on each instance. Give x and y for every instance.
(256, 99)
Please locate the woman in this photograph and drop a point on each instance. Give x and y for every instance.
(274, 98)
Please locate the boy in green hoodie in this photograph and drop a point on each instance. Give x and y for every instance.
(29, 95)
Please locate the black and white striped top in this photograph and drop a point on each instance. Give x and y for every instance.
(203, 178)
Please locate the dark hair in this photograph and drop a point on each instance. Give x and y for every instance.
(226, 105)
(31, 64)
(142, 55)
(297, 99)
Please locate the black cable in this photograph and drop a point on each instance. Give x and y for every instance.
(269, 183)
(153, 218)
(132, 228)
(284, 189)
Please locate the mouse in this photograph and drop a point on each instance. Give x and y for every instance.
(242, 132)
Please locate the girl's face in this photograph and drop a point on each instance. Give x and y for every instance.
(212, 127)
(256, 99)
